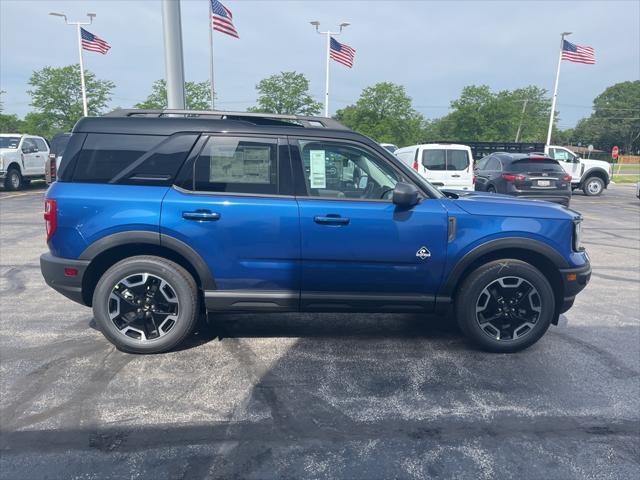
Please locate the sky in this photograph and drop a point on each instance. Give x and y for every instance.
(432, 48)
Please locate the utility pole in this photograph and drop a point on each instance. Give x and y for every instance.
(328, 33)
(555, 88)
(85, 110)
(524, 107)
(174, 63)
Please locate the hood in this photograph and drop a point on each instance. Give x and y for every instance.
(498, 205)
(595, 163)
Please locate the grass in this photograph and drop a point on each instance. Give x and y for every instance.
(626, 178)
(626, 168)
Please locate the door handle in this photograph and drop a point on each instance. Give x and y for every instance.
(201, 215)
(37, 156)
(455, 176)
(331, 220)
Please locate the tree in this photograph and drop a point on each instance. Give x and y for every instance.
(56, 93)
(197, 96)
(10, 124)
(384, 113)
(285, 93)
(615, 119)
(482, 115)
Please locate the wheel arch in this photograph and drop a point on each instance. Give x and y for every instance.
(111, 249)
(596, 172)
(536, 253)
(15, 164)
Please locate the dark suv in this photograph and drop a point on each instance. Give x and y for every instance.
(533, 176)
(159, 215)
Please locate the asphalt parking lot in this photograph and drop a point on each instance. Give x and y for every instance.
(322, 396)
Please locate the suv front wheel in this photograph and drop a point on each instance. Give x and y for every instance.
(505, 305)
(146, 304)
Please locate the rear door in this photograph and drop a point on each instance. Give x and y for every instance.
(235, 207)
(433, 166)
(459, 169)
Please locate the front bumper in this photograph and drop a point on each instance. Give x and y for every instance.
(53, 271)
(574, 280)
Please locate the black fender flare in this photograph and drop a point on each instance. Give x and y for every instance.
(157, 239)
(520, 243)
(601, 172)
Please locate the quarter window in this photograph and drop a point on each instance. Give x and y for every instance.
(237, 165)
(336, 170)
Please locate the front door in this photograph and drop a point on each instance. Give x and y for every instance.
(235, 208)
(568, 161)
(358, 250)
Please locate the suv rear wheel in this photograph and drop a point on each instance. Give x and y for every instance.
(146, 304)
(505, 305)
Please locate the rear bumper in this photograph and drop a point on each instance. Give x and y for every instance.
(53, 271)
(555, 198)
(574, 280)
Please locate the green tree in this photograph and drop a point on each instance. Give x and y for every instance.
(10, 124)
(197, 96)
(482, 115)
(285, 93)
(384, 113)
(37, 123)
(615, 119)
(56, 93)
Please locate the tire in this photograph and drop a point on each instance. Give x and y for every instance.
(161, 324)
(13, 181)
(491, 189)
(507, 278)
(593, 186)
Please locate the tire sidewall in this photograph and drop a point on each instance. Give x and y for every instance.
(475, 283)
(8, 184)
(590, 180)
(176, 276)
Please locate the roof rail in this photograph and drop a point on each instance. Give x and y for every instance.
(276, 118)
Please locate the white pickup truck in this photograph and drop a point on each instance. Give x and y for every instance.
(22, 159)
(592, 176)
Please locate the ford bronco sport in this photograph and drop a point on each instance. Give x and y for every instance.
(160, 215)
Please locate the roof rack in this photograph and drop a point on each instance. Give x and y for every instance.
(257, 118)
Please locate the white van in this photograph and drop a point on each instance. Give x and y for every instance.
(443, 164)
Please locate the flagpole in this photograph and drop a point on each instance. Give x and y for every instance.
(326, 88)
(211, 55)
(82, 84)
(555, 89)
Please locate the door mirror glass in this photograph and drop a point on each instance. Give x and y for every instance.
(405, 195)
(362, 183)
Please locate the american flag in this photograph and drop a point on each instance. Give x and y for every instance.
(93, 43)
(341, 53)
(578, 53)
(222, 19)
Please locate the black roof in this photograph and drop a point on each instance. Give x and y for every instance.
(168, 122)
(521, 156)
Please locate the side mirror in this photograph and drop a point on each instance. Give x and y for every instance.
(405, 195)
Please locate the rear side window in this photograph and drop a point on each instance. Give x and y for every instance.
(42, 146)
(104, 156)
(527, 165)
(237, 165)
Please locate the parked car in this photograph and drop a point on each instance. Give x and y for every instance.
(22, 159)
(591, 176)
(389, 146)
(155, 216)
(445, 165)
(56, 149)
(529, 176)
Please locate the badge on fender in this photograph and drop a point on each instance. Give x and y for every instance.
(423, 253)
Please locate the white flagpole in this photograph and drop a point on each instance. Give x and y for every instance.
(326, 89)
(211, 54)
(82, 84)
(555, 89)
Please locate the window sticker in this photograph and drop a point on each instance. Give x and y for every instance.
(318, 173)
(242, 164)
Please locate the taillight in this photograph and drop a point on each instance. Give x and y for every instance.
(415, 165)
(52, 167)
(567, 178)
(50, 217)
(474, 180)
(513, 178)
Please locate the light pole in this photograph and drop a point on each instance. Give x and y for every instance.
(555, 88)
(328, 33)
(78, 25)
(173, 55)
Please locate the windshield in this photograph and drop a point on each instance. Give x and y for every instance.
(9, 142)
(526, 165)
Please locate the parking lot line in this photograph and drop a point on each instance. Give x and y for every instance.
(23, 194)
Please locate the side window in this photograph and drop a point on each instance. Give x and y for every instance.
(40, 143)
(337, 170)
(434, 159)
(561, 155)
(105, 156)
(482, 163)
(237, 165)
(493, 164)
(28, 146)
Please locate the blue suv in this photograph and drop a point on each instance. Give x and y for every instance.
(159, 216)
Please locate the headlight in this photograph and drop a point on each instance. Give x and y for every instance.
(577, 235)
